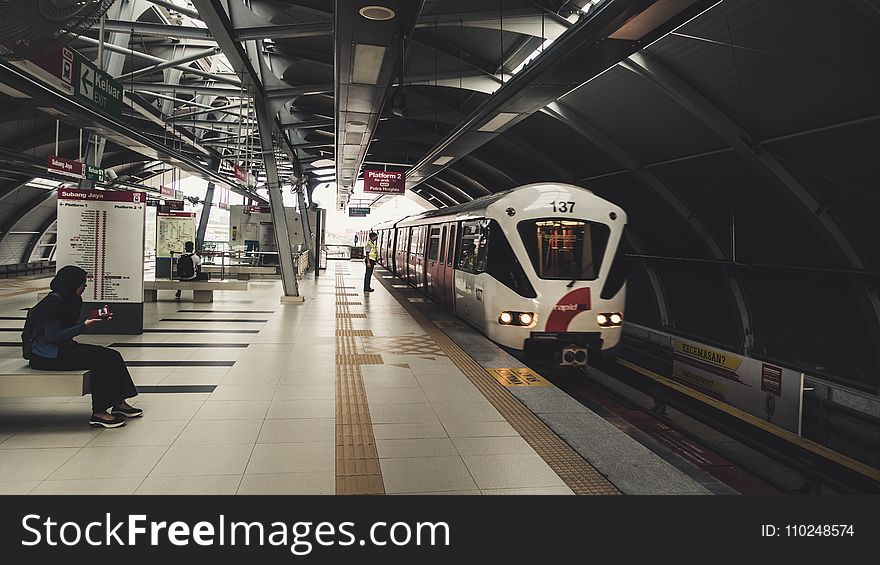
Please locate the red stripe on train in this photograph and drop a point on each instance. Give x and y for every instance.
(567, 308)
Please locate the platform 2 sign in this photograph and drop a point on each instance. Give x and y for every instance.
(96, 88)
(767, 391)
(384, 182)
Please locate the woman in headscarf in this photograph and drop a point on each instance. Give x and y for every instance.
(56, 322)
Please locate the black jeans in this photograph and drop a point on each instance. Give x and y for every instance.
(110, 379)
(369, 274)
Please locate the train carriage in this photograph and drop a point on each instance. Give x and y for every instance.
(535, 268)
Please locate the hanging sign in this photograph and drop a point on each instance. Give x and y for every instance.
(358, 212)
(241, 174)
(384, 182)
(67, 167)
(96, 88)
(94, 173)
(167, 191)
(55, 69)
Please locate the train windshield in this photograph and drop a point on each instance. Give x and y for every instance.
(565, 249)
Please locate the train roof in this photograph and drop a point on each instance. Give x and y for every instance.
(474, 205)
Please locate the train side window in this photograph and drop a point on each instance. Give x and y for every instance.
(443, 245)
(450, 254)
(434, 244)
(503, 265)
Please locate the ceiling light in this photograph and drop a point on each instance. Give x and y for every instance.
(498, 121)
(377, 13)
(367, 63)
(356, 123)
(443, 160)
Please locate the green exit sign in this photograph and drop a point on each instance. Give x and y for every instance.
(358, 212)
(96, 88)
(94, 173)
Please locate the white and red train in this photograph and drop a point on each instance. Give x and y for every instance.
(535, 268)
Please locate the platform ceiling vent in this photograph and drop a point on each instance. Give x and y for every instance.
(31, 28)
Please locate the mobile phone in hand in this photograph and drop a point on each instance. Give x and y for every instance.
(102, 312)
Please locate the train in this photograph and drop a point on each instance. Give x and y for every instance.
(537, 268)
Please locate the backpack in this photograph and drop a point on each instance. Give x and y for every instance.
(27, 333)
(185, 268)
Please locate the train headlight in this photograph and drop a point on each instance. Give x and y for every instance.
(512, 318)
(609, 319)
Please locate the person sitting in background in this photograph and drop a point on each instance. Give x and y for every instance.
(53, 323)
(189, 266)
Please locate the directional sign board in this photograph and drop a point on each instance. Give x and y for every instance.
(358, 212)
(384, 182)
(96, 88)
(94, 173)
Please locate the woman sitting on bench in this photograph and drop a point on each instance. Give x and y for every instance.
(54, 323)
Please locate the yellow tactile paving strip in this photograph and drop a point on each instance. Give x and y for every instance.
(581, 477)
(357, 461)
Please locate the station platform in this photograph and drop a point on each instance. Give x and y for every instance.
(346, 393)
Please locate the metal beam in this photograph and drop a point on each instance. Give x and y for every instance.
(284, 31)
(154, 59)
(184, 89)
(302, 90)
(157, 30)
(174, 7)
(448, 186)
(440, 195)
(276, 202)
(171, 63)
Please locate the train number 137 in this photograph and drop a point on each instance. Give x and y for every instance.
(563, 206)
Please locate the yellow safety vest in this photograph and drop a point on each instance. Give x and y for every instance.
(371, 250)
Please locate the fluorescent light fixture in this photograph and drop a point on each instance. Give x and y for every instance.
(324, 163)
(443, 160)
(323, 171)
(498, 121)
(367, 63)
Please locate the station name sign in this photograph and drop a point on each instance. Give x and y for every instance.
(67, 167)
(102, 195)
(384, 182)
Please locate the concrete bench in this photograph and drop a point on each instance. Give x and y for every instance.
(203, 291)
(17, 379)
(243, 272)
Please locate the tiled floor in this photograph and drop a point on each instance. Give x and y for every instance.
(270, 424)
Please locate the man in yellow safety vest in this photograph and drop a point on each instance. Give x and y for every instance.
(371, 255)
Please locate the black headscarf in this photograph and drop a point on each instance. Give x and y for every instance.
(65, 283)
